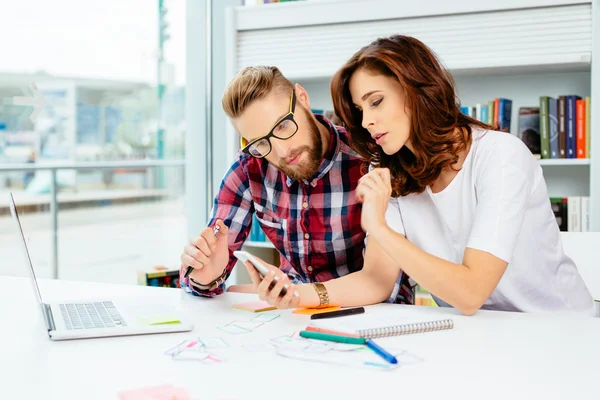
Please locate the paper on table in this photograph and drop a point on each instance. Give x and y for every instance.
(161, 392)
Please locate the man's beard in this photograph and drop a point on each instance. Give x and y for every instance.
(310, 167)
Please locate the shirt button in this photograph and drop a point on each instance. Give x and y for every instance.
(306, 236)
(310, 268)
(305, 205)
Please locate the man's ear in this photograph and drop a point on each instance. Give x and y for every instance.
(302, 96)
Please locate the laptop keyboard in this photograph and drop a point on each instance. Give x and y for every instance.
(100, 314)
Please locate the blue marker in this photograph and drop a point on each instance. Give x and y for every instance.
(381, 352)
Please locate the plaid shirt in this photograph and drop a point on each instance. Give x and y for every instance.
(314, 224)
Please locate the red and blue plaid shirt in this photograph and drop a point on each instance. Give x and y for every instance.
(314, 224)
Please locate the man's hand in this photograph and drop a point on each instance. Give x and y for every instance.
(207, 254)
(269, 288)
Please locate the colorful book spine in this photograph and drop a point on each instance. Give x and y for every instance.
(580, 127)
(587, 126)
(553, 126)
(562, 133)
(504, 107)
(484, 114)
(571, 126)
(491, 113)
(544, 128)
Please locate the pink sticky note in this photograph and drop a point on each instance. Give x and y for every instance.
(161, 392)
(255, 306)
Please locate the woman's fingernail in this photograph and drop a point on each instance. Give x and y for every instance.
(276, 279)
(296, 294)
(286, 286)
(272, 272)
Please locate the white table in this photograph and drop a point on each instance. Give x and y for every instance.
(492, 355)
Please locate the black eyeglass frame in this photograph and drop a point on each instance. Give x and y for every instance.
(268, 136)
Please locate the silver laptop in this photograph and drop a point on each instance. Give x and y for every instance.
(103, 317)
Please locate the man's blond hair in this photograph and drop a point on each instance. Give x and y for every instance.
(250, 84)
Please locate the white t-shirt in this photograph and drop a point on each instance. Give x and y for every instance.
(498, 203)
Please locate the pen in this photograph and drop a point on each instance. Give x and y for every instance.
(338, 313)
(381, 352)
(190, 269)
(331, 338)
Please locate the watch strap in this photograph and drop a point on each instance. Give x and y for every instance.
(323, 294)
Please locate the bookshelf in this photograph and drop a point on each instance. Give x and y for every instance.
(517, 49)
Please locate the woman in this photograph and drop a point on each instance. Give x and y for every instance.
(469, 217)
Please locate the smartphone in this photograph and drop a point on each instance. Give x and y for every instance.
(262, 270)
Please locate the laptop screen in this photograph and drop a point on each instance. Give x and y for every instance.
(15, 214)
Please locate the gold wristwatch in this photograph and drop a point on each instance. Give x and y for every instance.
(323, 295)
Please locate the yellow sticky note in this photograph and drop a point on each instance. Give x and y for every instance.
(311, 311)
(159, 320)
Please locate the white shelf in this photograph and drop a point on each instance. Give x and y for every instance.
(264, 245)
(565, 162)
(470, 37)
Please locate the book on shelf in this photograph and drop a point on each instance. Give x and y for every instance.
(564, 127)
(572, 213)
(588, 117)
(580, 128)
(562, 133)
(558, 128)
(553, 126)
(529, 129)
(496, 112)
(544, 127)
(503, 116)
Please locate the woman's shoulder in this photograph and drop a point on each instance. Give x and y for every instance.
(497, 145)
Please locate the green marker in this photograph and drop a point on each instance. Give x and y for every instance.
(331, 338)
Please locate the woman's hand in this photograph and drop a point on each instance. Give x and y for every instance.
(269, 288)
(374, 191)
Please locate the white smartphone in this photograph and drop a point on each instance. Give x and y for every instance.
(262, 270)
(244, 256)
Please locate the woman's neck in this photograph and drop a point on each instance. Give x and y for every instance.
(448, 174)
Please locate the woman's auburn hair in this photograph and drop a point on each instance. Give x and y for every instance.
(439, 131)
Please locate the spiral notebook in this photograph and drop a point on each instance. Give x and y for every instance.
(378, 325)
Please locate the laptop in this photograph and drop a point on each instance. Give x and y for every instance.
(103, 317)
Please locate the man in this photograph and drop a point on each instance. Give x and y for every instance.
(298, 174)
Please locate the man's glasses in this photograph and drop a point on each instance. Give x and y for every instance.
(283, 129)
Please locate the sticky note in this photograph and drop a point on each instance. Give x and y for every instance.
(159, 320)
(161, 392)
(255, 306)
(311, 311)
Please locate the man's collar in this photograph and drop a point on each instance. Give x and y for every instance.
(328, 158)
